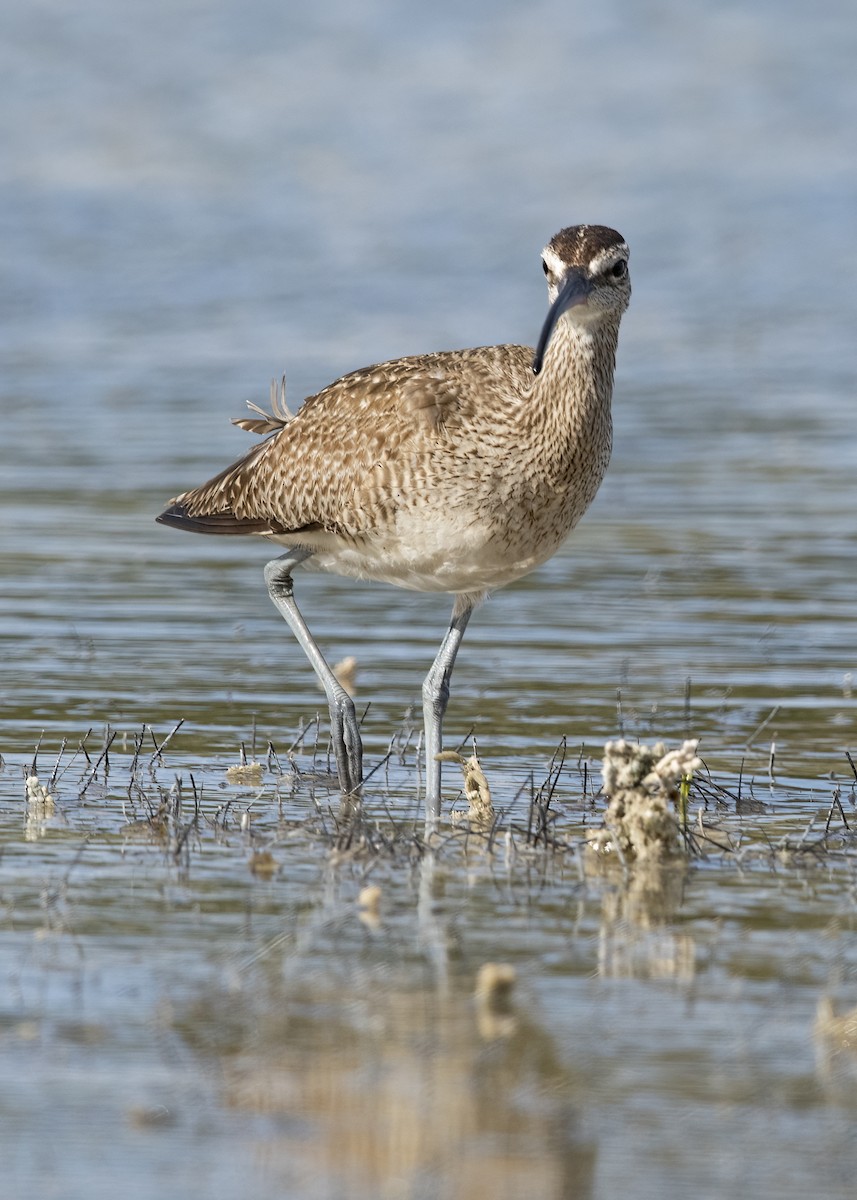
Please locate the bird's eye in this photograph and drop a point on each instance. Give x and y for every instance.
(620, 269)
(545, 267)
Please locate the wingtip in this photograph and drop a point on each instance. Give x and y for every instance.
(175, 515)
(178, 516)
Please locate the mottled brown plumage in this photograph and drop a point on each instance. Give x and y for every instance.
(458, 471)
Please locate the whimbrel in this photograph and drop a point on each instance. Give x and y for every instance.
(447, 472)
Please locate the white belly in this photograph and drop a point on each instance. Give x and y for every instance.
(452, 555)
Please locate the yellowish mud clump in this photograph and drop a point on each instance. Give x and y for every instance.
(247, 774)
(480, 809)
(643, 785)
(39, 799)
(369, 906)
(41, 806)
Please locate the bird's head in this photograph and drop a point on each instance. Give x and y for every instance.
(586, 267)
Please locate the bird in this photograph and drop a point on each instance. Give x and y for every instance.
(457, 471)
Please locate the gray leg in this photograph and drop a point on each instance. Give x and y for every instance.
(435, 700)
(344, 733)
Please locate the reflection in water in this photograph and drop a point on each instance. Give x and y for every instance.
(638, 937)
(381, 1086)
(835, 1035)
(399, 1095)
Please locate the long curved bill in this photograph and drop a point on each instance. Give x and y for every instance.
(575, 290)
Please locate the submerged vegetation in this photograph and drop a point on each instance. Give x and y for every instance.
(641, 806)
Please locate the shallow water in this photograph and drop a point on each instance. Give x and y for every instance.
(198, 198)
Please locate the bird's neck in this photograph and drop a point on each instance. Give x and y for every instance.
(576, 380)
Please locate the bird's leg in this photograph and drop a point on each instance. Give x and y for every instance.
(435, 700)
(344, 733)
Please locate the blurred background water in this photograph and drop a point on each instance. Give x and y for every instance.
(196, 197)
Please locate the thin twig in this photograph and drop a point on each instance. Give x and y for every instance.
(749, 743)
(159, 749)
